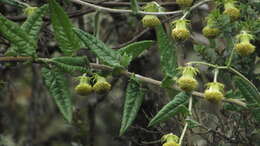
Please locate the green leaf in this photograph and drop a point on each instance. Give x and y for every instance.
(192, 123)
(256, 113)
(67, 40)
(105, 54)
(74, 61)
(133, 101)
(18, 37)
(57, 85)
(31, 26)
(134, 6)
(14, 3)
(167, 51)
(136, 48)
(174, 107)
(71, 64)
(247, 89)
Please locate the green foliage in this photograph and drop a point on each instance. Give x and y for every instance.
(56, 82)
(14, 3)
(167, 51)
(105, 54)
(133, 101)
(18, 37)
(175, 106)
(67, 40)
(134, 6)
(248, 90)
(32, 27)
(71, 64)
(136, 48)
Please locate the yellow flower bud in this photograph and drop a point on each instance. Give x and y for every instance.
(101, 85)
(187, 82)
(231, 10)
(180, 32)
(210, 32)
(150, 21)
(83, 88)
(244, 47)
(30, 10)
(184, 3)
(171, 144)
(213, 93)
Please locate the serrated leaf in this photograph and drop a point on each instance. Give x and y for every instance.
(14, 3)
(105, 54)
(66, 38)
(175, 106)
(133, 101)
(31, 26)
(56, 82)
(167, 51)
(136, 48)
(248, 90)
(18, 37)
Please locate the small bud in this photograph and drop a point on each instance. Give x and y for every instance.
(184, 3)
(187, 82)
(180, 32)
(150, 21)
(213, 93)
(210, 32)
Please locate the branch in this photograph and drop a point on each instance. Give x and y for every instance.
(124, 72)
(100, 8)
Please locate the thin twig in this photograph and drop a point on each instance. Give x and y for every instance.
(139, 12)
(124, 72)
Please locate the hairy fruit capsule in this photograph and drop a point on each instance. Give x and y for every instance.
(214, 92)
(180, 32)
(83, 88)
(101, 85)
(244, 47)
(184, 3)
(210, 32)
(150, 21)
(187, 82)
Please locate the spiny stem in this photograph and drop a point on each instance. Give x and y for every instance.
(207, 64)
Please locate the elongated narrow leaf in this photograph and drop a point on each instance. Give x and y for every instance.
(57, 85)
(136, 48)
(13, 3)
(248, 90)
(33, 23)
(134, 6)
(133, 101)
(32, 27)
(74, 61)
(70, 68)
(175, 106)
(67, 40)
(105, 54)
(167, 51)
(18, 37)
